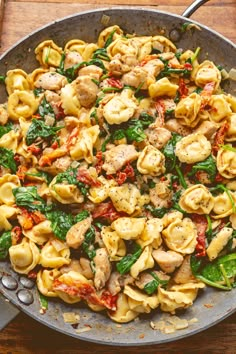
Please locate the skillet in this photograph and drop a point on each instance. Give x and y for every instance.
(210, 307)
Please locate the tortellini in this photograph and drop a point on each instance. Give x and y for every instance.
(140, 302)
(45, 279)
(197, 199)
(223, 205)
(226, 163)
(129, 228)
(193, 148)
(145, 261)
(123, 314)
(21, 104)
(231, 132)
(52, 256)
(187, 110)
(151, 161)
(48, 54)
(17, 80)
(65, 193)
(114, 244)
(219, 242)
(120, 108)
(163, 87)
(181, 236)
(206, 73)
(24, 256)
(7, 183)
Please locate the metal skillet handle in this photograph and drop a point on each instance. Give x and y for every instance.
(193, 7)
(7, 312)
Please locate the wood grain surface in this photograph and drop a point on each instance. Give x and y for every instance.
(24, 335)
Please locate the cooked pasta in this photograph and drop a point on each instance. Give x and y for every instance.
(118, 174)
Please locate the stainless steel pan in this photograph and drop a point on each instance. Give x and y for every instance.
(21, 291)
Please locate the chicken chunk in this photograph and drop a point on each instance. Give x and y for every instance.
(51, 81)
(161, 195)
(153, 67)
(3, 114)
(184, 274)
(75, 235)
(71, 59)
(137, 77)
(168, 261)
(92, 70)
(118, 156)
(158, 136)
(117, 281)
(146, 278)
(86, 90)
(207, 128)
(174, 126)
(81, 266)
(102, 268)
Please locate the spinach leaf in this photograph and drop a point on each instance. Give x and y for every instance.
(146, 119)
(61, 222)
(44, 175)
(135, 131)
(217, 273)
(43, 302)
(7, 159)
(109, 39)
(126, 262)
(152, 286)
(70, 176)
(101, 53)
(181, 177)
(208, 165)
(169, 151)
(2, 79)
(38, 91)
(27, 197)
(45, 109)
(4, 129)
(39, 129)
(221, 188)
(81, 216)
(88, 244)
(5, 244)
(157, 212)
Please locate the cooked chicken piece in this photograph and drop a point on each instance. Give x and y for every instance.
(75, 235)
(92, 70)
(81, 266)
(118, 156)
(138, 77)
(158, 136)
(51, 81)
(52, 97)
(86, 90)
(207, 128)
(161, 195)
(146, 278)
(71, 59)
(102, 268)
(153, 67)
(166, 56)
(59, 165)
(168, 261)
(3, 114)
(184, 274)
(117, 281)
(121, 64)
(174, 126)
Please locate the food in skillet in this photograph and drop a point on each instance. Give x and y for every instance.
(118, 174)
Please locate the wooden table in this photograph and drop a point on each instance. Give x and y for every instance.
(24, 335)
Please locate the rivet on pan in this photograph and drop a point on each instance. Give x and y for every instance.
(9, 282)
(26, 282)
(25, 296)
(174, 35)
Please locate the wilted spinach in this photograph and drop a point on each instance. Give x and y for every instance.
(152, 286)
(39, 129)
(27, 197)
(5, 244)
(124, 265)
(7, 159)
(208, 165)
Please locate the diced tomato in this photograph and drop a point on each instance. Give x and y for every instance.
(55, 145)
(127, 172)
(16, 235)
(206, 94)
(72, 137)
(220, 137)
(109, 300)
(36, 116)
(25, 219)
(147, 59)
(84, 177)
(161, 108)
(99, 163)
(115, 83)
(60, 114)
(188, 66)
(219, 178)
(37, 217)
(34, 149)
(32, 274)
(183, 90)
(201, 224)
(107, 211)
(21, 172)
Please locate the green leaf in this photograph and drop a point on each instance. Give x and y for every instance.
(39, 129)
(45, 109)
(124, 265)
(7, 159)
(101, 53)
(5, 244)
(169, 151)
(88, 244)
(135, 131)
(81, 216)
(27, 197)
(43, 301)
(152, 286)
(44, 175)
(146, 119)
(208, 165)
(61, 222)
(2, 79)
(220, 187)
(109, 39)
(4, 129)
(157, 212)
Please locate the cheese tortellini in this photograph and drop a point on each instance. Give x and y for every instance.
(193, 148)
